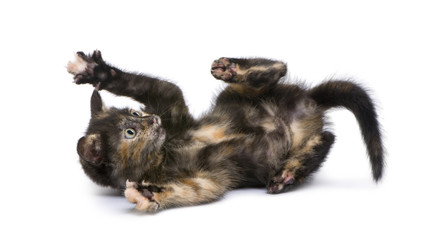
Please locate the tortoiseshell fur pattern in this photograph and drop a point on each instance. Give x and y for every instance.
(260, 132)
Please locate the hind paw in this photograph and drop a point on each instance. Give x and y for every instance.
(223, 69)
(279, 182)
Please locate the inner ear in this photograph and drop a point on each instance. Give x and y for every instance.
(90, 149)
(97, 106)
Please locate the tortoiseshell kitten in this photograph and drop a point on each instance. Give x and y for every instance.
(260, 132)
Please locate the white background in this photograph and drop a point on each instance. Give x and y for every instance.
(388, 46)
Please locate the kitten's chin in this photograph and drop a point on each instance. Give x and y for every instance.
(160, 132)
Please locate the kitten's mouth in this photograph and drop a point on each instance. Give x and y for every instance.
(160, 136)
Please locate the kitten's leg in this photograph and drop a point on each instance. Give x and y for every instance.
(162, 97)
(183, 192)
(249, 74)
(302, 163)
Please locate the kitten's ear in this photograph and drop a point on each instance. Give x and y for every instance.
(90, 149)
(96, 104)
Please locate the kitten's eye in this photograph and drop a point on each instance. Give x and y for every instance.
(129, 133)
(136, 114)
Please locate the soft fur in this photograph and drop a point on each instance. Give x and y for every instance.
(261, 132)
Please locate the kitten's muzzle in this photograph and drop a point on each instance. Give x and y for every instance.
(152, 120)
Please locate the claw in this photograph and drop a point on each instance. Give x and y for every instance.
(130, 184)
(97, 55)
(81, 54)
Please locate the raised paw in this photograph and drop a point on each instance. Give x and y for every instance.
(90, 69)
(279, 182)
(224, 69)
(141, 196)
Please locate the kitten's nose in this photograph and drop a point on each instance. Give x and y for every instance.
(155, 120)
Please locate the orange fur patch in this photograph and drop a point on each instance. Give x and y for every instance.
(211, 133)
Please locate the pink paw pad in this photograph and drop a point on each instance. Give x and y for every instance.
(223, 69)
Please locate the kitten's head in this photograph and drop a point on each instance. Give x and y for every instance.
(120, 144)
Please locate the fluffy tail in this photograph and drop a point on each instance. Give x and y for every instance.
(353, 97)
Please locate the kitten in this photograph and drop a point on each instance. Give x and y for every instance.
(261, 132)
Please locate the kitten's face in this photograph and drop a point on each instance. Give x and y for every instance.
(120, 144)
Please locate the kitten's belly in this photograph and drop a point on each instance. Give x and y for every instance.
(257, 154)
(213, 134)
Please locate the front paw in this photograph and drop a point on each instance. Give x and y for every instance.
(142, 197)
(90, 69)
